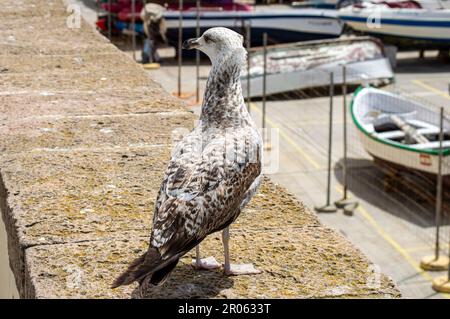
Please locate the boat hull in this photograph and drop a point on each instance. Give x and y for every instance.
(281, 27)
(307, 65)
(403, 158)
(275, 35)
(394, 169)
(405, 28)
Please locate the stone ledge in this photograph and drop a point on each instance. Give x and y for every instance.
(304, 262)
(81, 164)
(14, 107)
(86, 62)
(32, 8)
(125, 131)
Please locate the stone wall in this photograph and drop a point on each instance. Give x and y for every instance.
(85, 137)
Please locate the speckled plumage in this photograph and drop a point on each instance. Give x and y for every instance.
(213, 171)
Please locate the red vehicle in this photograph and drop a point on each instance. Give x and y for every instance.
(122, 9)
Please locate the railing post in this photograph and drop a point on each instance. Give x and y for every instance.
(180, 41)
(264, 83)
(349, 206)
(133, 28)
(438, 213)
(109, 20)
(248, 30)
(328, 208)
(344, 95)
(267, 145)
(437, 262)
(440, 284)
(197, 53)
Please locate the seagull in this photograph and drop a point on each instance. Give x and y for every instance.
(213, 172)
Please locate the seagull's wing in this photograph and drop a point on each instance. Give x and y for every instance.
(203, 190)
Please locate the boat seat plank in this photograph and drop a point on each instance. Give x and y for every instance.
(400, 133)
(422, 124)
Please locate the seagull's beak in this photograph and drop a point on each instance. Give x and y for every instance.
(191, 44)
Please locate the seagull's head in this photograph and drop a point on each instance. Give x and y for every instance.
(216, 41)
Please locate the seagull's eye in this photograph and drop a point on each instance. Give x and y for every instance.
(207, 38)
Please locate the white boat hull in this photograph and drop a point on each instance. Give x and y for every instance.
(416, 25)
(369, 72)
(427, 163)
(308, 64)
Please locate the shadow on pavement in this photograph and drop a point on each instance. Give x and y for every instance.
(404, 195)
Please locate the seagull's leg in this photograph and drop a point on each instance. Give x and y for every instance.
(205, 263)
(235, 269)
(198, 261)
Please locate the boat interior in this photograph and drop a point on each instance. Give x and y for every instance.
(387, 129)
(390, 117)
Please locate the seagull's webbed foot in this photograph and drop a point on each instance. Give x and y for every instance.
(240, 269)
(235, 269)
(208, 263)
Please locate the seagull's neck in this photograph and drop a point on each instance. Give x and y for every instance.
(223, 104)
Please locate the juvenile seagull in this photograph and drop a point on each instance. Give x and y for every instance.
(213, 173)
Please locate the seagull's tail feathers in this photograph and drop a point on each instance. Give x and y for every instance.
(149, 264)
(160, 276)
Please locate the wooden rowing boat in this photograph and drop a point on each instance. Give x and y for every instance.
(401, 133)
